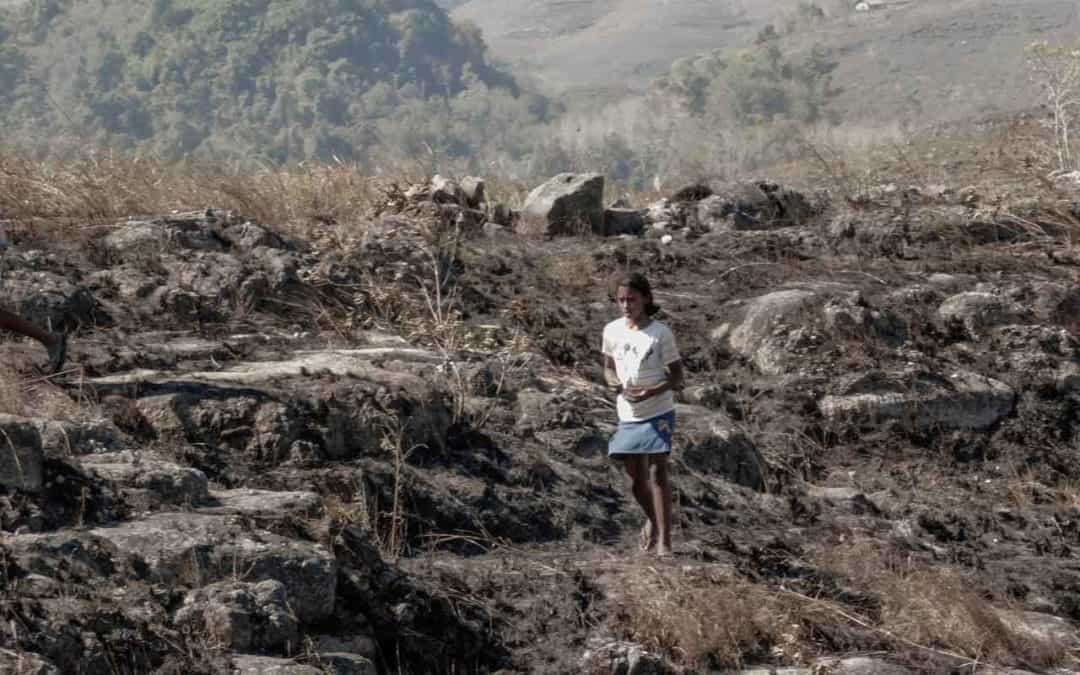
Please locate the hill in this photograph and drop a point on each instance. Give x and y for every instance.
(936, 60)
(286, 78)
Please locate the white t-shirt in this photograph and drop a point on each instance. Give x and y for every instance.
(641, 359)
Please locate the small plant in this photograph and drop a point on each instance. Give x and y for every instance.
(1056, 71)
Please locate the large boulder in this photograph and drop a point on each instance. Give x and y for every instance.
(926, 401)
(760, 327)
(567, 204)
(21, 457)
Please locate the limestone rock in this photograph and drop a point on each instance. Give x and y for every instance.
(1067, 378)
(21, 457)
(51, 300)
(248, 236)
(616, 656)
(62, 438)
(624, 221)
(975, 312)
(927, 401)
(444, 190)
(268, 503)
(25, 663)
(760, 332)
(859, 665)
(267, 665)
(715, 446)
(197, 549)
(474, 191)
(140, 238)
(151, 482)
(344, 663)
(243, 616)
(753, 206)
(1039, 627)
(567, 204)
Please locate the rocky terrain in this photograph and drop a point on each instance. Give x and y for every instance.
(376, 444)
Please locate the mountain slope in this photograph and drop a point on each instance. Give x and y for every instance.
(289, 78)
(930, 59)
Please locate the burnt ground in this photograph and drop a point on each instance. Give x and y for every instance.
(876, 463)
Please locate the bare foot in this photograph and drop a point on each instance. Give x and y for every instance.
(647, 537)
(663, 549)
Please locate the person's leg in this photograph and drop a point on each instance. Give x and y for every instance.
(637, 467)
(17, 324)
(55, 343)
(660, 488)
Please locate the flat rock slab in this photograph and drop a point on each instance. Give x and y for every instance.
(25, 663)
(155, 481)
(338, 664)
(342, 362)
(196, 549)
(22, 461)
(963, 400)
(1041, 627)
(299, 504)
(859, 665)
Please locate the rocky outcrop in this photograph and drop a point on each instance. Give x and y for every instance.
(920, 401)
(198, 549)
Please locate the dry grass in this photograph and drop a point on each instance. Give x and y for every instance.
(101, 187)
(937, 609)
(707, 623)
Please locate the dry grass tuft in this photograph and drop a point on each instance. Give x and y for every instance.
(712, 624)
(937, 609)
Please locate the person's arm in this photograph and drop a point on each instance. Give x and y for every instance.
(611, 378)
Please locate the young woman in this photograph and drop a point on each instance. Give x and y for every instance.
(55, 343)
(643, 367)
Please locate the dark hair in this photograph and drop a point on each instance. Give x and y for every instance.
(635, 281)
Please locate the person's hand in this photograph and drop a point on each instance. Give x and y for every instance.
(638, 394)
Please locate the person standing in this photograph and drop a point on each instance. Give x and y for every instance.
(642, 366)
(55, 343)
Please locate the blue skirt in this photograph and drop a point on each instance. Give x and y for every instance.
(648, 437)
